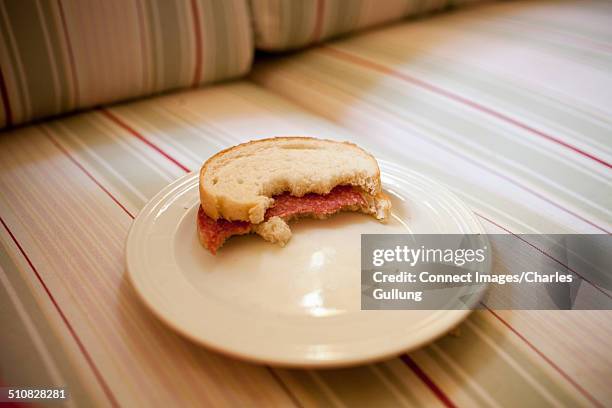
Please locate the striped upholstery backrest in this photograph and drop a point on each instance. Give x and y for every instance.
(290, 24)
(62, 55)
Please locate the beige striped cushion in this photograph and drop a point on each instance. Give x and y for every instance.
(58, 56)
(290, 24)
(70, 189)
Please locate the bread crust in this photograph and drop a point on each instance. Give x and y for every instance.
(255, 213)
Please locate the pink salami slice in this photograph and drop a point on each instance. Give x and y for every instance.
(214, 233)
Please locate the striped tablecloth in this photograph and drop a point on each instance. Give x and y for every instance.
(508, 105)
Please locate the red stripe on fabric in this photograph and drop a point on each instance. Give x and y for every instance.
(284, 386)
(88, 358)
(73, 71)
(347, 56)
(133, 132)
(8, 113)
(442, 397)
(529, 190)
(143, 43)
(318, 26)
(83, 169)
(197, 32)
(545, 254)
(583, 391)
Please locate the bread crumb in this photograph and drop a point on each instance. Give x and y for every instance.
(275, 230)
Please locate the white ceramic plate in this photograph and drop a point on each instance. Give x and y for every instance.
(292, 306)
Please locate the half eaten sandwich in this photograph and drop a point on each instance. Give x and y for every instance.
(261, 185)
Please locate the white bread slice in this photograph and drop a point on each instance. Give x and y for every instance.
(238, 183)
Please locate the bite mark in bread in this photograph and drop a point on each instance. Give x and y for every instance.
(274, 228)
(238, 183)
